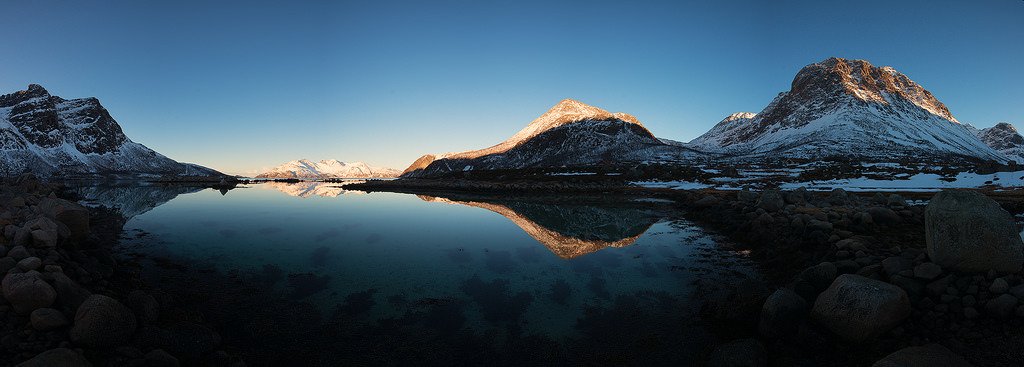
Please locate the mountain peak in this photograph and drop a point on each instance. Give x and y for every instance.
(836, 77)
(36, 89)
(739, 116)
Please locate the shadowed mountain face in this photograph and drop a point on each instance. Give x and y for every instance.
(569, 230)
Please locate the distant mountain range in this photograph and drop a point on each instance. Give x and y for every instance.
(51, 136)
(328, 168)
(835, 109)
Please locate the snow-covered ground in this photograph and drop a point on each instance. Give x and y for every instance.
(917, 182)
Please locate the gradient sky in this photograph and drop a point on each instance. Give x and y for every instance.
(241, 86)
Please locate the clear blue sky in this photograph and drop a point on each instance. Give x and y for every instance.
(239, 86)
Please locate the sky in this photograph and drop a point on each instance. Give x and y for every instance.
(244, 86)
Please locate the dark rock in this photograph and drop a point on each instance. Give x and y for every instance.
(848, 266)
(927, 271)
(739, 353)
(820, 276)
(6, 264)
(57, 357)
(884, 216)
(18, 253)
(939, 286)
(782, 313)
(160, 358)
(970, 232)
(771, 201)
(999, 286)
(69, 293)
(1001, 307)
(145, 307)
(72, 215)
(30, 263)
(857, 308)
(706, 202)
(27, 292)
(102, 321)
(924, 356)
(45, 319)
(895, 264)
(913, 287)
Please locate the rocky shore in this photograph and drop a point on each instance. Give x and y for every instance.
(869, 279)
(68, 301)
(503, 186)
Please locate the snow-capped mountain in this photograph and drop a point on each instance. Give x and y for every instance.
(50, 136)
(1005, 138)
(569, 134)
(848, 108)
(328, 168)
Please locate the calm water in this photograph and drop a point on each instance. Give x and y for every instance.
(570, 279)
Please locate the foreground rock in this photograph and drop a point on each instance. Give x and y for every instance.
(27, 292)
(57, 357)
(970, 232)
(102, 321)
(924, 356)
(857, 308)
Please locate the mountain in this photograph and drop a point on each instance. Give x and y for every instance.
(569, 134)
(848, 108)
(1005, 138)
(328, 168)
(307, 189)
(51, 136)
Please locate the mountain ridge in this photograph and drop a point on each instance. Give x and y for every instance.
(326, 169)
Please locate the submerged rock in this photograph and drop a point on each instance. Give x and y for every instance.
(923, 356)
(857, 308)
(968, 231)
(45, 319)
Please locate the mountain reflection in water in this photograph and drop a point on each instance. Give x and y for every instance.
(569, 230)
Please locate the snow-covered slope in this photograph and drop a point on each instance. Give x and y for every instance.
(50, 136)
(1005, 138)
(328, 168)
(569, 134)
(851, 109)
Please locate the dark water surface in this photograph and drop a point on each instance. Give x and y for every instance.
(312, 274)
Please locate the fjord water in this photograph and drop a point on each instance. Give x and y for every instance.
(393, 278)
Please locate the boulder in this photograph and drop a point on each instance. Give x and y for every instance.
(999, 286)
(771, 201)
(739, 353)
(102, 321)
(6, 264)
(30, 263)
(927, 271)
(27, 292)
(18, 253)
(885, 216)
(782, 313)
(857, 308)
(45, 319)
(706, 202)
(72, 215)
(820, 276)
(63, 357)
(923, 356)
(1001, 307)
(69, 293)
(160, 358)
(970, 232)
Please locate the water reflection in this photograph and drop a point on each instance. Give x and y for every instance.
(306, 274)
(308, 189)
(568, 230)
(130, 199)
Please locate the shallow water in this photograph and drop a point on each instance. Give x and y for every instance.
(591, 277)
